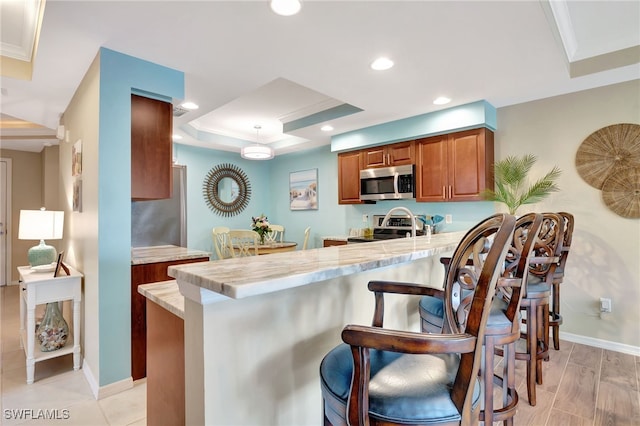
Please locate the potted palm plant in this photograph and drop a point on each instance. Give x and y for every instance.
(512, 185)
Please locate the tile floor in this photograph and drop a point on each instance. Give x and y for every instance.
(58, 390)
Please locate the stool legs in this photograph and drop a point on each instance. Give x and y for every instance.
(509, 395)
(555, 319)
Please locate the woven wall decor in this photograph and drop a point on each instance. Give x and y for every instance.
(608, 151)
(621, 192)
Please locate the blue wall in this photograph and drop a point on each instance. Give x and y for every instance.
(270, 195)
(119, 76)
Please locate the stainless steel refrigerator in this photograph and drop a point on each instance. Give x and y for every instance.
(162, 222)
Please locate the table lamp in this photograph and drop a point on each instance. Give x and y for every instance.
(40, 225)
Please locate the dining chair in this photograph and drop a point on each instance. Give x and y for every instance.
(307, 231)
(382, 376)
(276, 235)
(243, 242)
(220, 236)
(503, 325)
(555, 319)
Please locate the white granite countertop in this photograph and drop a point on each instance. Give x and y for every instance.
(251, 276)
(166, 294)
(168, 253)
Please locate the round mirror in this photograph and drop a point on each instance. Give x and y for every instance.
(226, 189)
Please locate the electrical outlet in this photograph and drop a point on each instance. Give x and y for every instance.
(605, 305)
(365, 218)
(448, 218)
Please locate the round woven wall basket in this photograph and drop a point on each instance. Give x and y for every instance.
(608, 151)
(621, 192)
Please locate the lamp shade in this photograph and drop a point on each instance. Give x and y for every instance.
(257, 152)
(40, 225)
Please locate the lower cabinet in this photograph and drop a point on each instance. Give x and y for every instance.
(145, 274)
(329, 243)
(165, 365)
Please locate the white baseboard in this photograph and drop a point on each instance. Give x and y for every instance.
(599, 343)
(108, 390)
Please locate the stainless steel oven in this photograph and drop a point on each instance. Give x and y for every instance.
(397, 226)
(387, 183)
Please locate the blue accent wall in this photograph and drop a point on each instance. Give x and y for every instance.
(119, 76)
(463, 117)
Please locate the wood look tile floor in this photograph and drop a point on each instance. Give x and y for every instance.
(582, 386)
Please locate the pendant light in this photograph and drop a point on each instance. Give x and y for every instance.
(257, 151)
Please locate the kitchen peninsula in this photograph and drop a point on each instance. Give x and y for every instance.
(257, 328)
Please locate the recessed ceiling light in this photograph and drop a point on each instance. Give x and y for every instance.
(326, 128)
(442, 100)
(176, 137)
(286, 7)
(381, 64)
(189, 105)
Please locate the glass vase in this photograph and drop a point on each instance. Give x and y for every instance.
(53, 330)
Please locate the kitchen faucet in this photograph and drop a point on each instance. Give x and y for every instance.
(407, 211)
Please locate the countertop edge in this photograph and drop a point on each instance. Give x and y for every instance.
(166, 295)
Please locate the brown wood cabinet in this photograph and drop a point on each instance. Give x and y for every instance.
(330, 243)
(349, 164)
(165, 384)
(454, 167)
(145, 274)
(396, 154)
(151, 149)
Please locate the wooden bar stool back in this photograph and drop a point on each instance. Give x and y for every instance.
(393, 377)
(555, 319)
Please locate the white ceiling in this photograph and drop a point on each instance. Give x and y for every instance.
(245, 65)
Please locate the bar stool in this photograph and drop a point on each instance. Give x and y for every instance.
(535, 301)
(503, 325)
(393, 377)
(555, 319)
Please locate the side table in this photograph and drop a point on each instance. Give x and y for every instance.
(39, 288)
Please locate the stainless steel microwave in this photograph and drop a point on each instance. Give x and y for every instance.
(387, 183)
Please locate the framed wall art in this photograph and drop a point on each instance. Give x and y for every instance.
(303, 190)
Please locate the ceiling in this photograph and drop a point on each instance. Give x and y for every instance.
(246, 66)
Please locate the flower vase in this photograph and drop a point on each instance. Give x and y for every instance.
(53, 330)
(262, 238)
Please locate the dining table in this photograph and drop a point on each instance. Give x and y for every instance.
(270, 247)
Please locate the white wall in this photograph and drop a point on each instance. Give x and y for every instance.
(605, 255)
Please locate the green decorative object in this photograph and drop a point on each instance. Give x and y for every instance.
(42, 254)
(512, 186)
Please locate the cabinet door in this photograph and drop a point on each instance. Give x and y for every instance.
(145, 274)
(431, 169)
(374, 157)
(400, 154)
(151, 151)
(470, 158)
(349, 178)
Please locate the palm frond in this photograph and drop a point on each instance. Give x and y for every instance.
(510, 175)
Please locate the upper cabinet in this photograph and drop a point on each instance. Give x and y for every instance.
(454, 167)
(151, 150)
(396, 154)
(349, 166)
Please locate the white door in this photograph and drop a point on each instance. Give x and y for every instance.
(5, 221)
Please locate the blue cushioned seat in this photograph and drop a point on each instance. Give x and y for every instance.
(434, 308)
(399, 395)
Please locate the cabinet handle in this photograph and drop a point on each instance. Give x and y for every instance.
(450, 191)
(444, 195)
